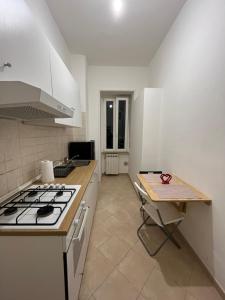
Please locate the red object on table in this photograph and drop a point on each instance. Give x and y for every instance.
(165, 178)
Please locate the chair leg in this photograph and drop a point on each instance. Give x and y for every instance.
(170, 234)
(141, 238)
(142, 213)
(165, 231)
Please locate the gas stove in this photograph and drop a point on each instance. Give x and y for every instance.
(39, 206)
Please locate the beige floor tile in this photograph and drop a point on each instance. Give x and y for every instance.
(157, 288)
(204, 293)
(201, 286)
(139, 248)
(175, 269)
(136, 268)
(85, 293)
(127, 233)
(189, 297)
(116, 287)
(99, 236)
(102, 214)
(143, 298)
(124, 216)
(97, 268)
(177, 274)
(92, 253)
(89, 298)
(114, 249)
(111, 225)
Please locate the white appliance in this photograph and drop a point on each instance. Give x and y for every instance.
(39, 206)
(44, 207)
(26, 102)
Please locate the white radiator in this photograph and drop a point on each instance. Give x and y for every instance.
(112, 164)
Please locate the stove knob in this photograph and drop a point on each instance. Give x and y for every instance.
(51, 186)
(45, 185)
(63, 186)
(76, 222)
(82, 204)
(57, 186)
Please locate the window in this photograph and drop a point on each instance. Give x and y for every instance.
(109, 124)
(116, 124)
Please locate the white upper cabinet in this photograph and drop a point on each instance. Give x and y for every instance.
(24, 46)
(29, 57)
(64, 87)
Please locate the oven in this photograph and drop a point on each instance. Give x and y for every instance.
(74, 258)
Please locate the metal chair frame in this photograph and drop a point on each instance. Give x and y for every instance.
(163, 228)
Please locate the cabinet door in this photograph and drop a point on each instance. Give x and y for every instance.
(23, 45)
(91, 196)
(65, 89)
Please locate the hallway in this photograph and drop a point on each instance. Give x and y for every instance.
(117, 265)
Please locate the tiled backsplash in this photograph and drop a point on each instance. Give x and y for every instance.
(22, 147)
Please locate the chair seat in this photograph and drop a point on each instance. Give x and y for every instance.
(168, 212)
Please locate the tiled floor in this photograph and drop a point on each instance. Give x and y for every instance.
(117, 265)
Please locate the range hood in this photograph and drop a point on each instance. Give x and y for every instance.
(25, 102)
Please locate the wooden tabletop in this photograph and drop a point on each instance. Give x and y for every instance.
(80, 176)
(155, 189)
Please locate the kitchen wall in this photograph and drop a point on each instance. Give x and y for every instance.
(22, 147)
(103, 78)
(145, 129)
(190, 66)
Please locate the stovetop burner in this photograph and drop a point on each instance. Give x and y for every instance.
(32, 193)
(10, 211)
(42, 206)
(45, 211)
(59, 193)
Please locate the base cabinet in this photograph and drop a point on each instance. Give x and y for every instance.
(75, 275)
(90, 198)
(44, 267)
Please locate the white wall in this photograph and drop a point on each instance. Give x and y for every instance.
(112, 79)
(145, 132)
(136, 135)
(151, 129)
(190, 66)
(49, 26)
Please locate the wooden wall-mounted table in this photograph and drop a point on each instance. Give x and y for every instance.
(177, 191)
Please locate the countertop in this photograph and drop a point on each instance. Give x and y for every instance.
(81, 176)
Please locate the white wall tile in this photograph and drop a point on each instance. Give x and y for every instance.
(22, 147)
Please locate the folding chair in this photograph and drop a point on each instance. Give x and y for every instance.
(162, 214)
(142, 199)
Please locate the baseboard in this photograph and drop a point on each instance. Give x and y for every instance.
(218, 287)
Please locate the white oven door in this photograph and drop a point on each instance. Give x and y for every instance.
(75, 256)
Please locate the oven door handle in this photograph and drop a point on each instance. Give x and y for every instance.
(78, 237)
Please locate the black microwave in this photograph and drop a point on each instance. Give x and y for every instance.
(82, 150)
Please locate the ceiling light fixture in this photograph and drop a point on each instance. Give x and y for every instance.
(117, 7)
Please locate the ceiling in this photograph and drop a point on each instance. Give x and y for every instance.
(127, 33)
